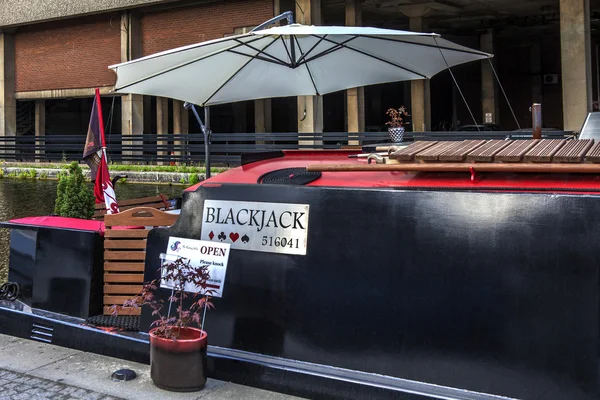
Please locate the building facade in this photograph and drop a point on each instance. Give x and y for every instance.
(52, 58)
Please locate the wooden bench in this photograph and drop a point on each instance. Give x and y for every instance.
(125, 252)
(160, 202)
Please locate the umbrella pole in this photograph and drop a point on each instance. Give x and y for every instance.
(205, 131)
(207, 137)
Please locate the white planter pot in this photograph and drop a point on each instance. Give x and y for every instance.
(396, 134)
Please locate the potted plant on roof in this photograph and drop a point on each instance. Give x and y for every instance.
(396, 123)
(177, 341)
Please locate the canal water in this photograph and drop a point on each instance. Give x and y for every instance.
(22, 198)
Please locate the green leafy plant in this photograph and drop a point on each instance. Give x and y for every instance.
(194, 179)
(28, 174)
(73, 196)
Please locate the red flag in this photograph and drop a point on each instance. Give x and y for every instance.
(103, 188)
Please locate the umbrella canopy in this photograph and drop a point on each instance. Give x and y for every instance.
(291, 60)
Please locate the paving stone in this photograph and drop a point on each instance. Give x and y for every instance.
(9, 375)
(11, 385)
(17, 386)
(8, 393)
(37, 392)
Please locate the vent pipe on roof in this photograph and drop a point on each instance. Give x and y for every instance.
(536, 120)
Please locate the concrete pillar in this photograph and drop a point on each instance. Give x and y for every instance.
(180, 125)
(162, 125)
(40, 127)
(420, 110)
(576, 62)
(488, 81)
(263, 120)
(310, 108)
(262, 117)
(355, 97)
(8, 104)
(132, 105)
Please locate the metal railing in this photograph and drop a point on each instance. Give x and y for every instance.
(226, 148)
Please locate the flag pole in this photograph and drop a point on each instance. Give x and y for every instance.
(100, 119)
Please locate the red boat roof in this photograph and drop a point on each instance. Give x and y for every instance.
(60, 222)
(251, 173)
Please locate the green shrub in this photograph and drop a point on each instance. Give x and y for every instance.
(194, 179)
(28, 174)
(73, 196)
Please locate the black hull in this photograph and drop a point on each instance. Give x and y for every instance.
(401, 295)
(487, 292)
(251, 369)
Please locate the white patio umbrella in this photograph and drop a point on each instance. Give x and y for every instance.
(291, 60)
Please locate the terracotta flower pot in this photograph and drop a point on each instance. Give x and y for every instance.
(179, 365)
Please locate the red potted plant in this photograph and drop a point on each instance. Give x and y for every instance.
(396, 123)
(177, 341)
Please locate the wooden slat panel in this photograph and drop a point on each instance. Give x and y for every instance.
(124, 266)
(118, 300)
(130, 255)
(129, 202)
(573, 151)
(141, 216)
(459, 153)
(593, 155)
(125, 233)
(122, 289)
(157, 206)
(126, 311)
(123, 278)
(544, 150)
(408, 153)
(432, 153)
(487, 152)
(516, 150)
(125, 244)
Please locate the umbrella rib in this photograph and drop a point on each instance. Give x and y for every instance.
(204, 57)
(235, 74)
(474, 52)
(331, 49)
(286, 49)
(368, 55)
(279, 61)
(307, 69)
(311, 49)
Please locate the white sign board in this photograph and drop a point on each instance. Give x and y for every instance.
(267, 227)
(200, 253)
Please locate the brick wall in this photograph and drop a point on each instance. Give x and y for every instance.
(67, 54)
(163, 30)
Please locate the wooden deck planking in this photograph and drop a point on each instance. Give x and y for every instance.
(515, 151)
(487, 152)
(573, 151)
